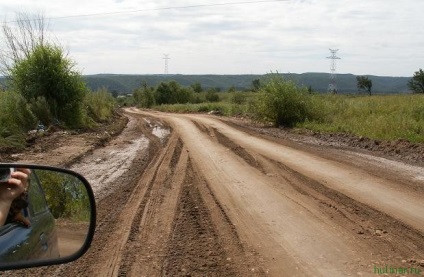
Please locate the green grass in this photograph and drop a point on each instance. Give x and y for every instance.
(227, 109)
(386, 117)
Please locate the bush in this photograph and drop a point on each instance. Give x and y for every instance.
(40, 108)
(100, 105)
(238, 98)
(15, 119)
(281, 102)
(172, 93)
(212, 96)
(47, 72)
(416, 84)
(144, 97)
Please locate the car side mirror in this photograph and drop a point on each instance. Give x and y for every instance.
(51, 222)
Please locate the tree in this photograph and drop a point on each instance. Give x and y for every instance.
(256, 84)
(212, 95)
(364, 83)
(231, 89)
(144, 96)
(172, 93)
(416, 84)
(197, 87)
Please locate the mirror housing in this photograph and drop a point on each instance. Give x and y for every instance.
(51, 222)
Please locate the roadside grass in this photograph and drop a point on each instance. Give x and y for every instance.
(227, 109)
(386, 117)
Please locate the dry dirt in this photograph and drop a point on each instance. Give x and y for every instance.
(197, 195)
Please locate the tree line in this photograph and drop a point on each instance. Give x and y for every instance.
(415, 84)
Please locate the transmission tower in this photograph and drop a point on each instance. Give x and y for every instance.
(166, 58)
(332, 87)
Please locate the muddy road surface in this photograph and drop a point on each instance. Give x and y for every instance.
(196, 195)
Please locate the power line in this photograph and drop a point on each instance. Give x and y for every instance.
(166, 58)
(161, 9)
(332, 87)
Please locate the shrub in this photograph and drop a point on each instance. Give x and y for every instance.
(47, 72)
(15, 119)
(172, 93)
(281, 102)
(212, 96)
(100, 105)
(238, 98)
(40, 108)
(144, 97)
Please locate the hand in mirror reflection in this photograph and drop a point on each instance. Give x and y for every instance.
(13, 195)
(52, 219)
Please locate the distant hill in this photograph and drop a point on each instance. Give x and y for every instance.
(318, 81)
(346, 83)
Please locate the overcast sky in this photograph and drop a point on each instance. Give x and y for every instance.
(377, 37)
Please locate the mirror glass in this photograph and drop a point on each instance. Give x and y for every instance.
(44, 214)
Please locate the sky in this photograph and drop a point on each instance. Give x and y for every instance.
(374, 37)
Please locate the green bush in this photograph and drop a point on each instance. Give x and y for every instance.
(238, 98)
(47, 72)
(40, 108)
(144, 97)
(15, 119)
(212, 96)
(282, 102)
(172, 93)
(100, 105)
(66, 195)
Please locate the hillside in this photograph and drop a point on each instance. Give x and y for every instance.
(318, 81)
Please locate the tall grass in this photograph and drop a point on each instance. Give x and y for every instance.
(15, 119)
(387, 117)
(100, 105)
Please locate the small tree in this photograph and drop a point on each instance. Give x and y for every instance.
(212, 95)
(364, 83)
(172, 93)
(231, 89)
(197, 87)
(416, 84)
(256, 84)
(144, 96)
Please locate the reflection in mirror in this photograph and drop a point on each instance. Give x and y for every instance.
(44, 215)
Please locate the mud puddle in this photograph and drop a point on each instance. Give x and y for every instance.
(105, 166)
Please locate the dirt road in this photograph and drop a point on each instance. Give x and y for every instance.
(193, 195)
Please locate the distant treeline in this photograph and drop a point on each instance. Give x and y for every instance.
(318, 82)
(346, 83)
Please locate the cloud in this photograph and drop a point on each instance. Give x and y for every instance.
(130, 36)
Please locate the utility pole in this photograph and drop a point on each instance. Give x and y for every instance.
(166, 58)
(332, 87)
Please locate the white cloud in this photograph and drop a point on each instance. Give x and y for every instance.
(380, 37)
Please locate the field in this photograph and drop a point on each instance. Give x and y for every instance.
(385, 117)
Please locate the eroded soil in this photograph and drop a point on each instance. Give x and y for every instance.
(196, 195)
